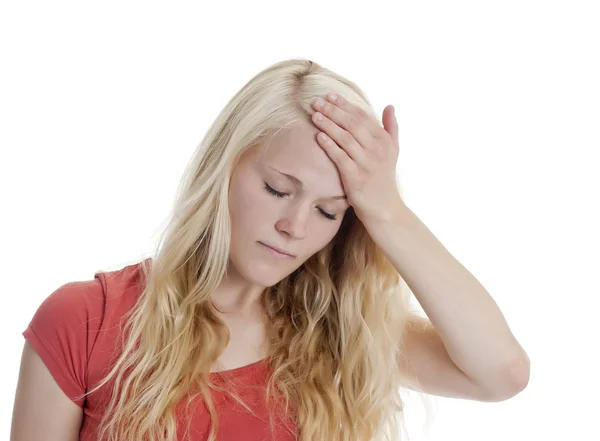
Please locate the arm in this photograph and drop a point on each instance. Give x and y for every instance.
(428, 368)
(465, 319)
(41, 409)
(467, 349)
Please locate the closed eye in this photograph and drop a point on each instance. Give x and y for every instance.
(273, 191)
(281, 195)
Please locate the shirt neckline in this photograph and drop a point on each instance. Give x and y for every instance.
(242, 369)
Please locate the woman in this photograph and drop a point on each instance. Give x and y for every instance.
(275, 306)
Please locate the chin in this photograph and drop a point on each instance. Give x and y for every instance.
(265, 282)
(258, 273)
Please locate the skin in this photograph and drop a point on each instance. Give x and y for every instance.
(294, 222)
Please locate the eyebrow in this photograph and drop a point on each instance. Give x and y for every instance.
(299, 184)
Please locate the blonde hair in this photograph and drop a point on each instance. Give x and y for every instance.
(335, 324)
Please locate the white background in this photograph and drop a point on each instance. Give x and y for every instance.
(102, 105)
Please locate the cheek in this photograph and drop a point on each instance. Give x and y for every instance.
(323, 236)
(247, 205)
(241, 203)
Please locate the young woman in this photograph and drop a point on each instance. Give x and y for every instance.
(277, 303)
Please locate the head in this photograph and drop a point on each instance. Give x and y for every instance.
(284, 193)
(336, 306)
(266, 178)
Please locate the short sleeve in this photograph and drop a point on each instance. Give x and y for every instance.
(63, 331)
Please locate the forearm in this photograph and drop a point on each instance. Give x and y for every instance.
(469, 322)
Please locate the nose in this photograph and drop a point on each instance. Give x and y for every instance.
(293, 221)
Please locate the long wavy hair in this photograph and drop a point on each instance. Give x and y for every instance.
(335, 324)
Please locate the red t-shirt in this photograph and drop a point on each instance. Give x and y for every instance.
(76, 330)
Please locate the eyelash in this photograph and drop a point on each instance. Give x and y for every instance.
(280, 195)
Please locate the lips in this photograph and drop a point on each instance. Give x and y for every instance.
(278, 249)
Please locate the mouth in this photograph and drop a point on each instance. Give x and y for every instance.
(279, 251)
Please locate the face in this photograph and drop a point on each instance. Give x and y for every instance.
(299, 215)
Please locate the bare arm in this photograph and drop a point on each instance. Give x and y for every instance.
(429, 368)
(465, 319)
(41, 409)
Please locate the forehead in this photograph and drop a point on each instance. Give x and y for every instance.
(295, 150)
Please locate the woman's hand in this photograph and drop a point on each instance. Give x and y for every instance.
(365, 154)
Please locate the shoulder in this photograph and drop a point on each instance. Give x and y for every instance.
(63, 330)
(83, 304)
(70, 306)
(69, 323)
(70, 317)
